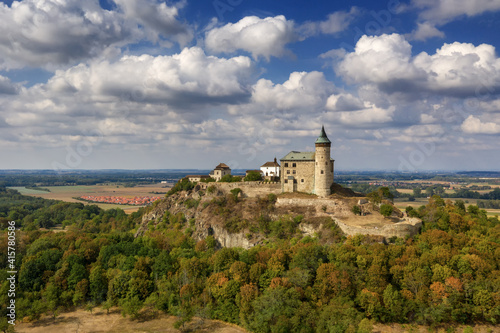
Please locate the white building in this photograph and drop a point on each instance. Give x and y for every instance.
(270, 169)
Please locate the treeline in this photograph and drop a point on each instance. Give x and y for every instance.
(429, 191)
(449, 273)
(31, 213)
(128, 178)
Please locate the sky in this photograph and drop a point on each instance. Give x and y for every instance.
(407, 85)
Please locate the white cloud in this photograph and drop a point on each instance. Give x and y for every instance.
(344, 102)
(181, 80)
(442, 11)
(439, 12)
(370, 117)
(133, 99)
(7, 87)
(427, 118)
(48, 33)
(379, 59)
(473, 125)
(458, 69)
(160, 19)
(335, 23)
(424, 31)
(261, 37)
(303, 91)
(490, 106)
(424, 131)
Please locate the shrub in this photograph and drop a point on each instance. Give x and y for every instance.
(235, 192)
(182, 185)
(253, 176)
(386, 210)
(211, 189)
(191, 203)
(356, 210)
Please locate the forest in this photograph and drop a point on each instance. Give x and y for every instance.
(449, 273)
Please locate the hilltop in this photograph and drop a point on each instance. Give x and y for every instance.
(253, 213)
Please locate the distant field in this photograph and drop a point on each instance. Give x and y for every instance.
(67, 193)
(402, 203)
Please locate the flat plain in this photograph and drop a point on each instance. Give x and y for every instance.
(69, 193)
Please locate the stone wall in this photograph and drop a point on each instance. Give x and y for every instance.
(250, 189)
(303, 176)
(402, 229)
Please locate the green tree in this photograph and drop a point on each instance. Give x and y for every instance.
(98, 284)
(51, 296)
(273, 308)
(386, 210)
(253, 176)
(131, 306)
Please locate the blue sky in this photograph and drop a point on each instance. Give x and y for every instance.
(400, 85)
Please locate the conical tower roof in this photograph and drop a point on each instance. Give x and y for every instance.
(322, 137)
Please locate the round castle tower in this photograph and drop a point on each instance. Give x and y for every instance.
(323, 167)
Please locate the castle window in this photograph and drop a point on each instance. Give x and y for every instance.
(326, 163)
(286, 165)
(322, 172)
(294, 165)
(287, 172)
(302, 180)
(286, 181)
(293, 172)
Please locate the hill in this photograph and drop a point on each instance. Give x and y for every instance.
(248, 214)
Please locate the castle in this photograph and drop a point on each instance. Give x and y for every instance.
(310, 172)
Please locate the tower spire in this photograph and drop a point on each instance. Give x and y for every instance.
(322, 136)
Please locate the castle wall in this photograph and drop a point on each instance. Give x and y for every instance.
(250, 189)
(302, 176)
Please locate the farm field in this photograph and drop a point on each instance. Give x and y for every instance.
(68, 193)
(402, 203)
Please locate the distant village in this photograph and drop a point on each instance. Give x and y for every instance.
(136, 201)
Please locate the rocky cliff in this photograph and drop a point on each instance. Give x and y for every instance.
(245, 216)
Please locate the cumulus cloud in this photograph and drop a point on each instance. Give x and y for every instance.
(136, 97)
(42, 33)
(344, 102)
(335, 23)
(424, 31)
(473, 125)
(379, 59)
(442, 11)
(439, 12)
(261, 37)
(372, 117)
(490, 106)
(7, 87)
(302, 90)
(181, 80)
(458, 69)
(160, 19)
